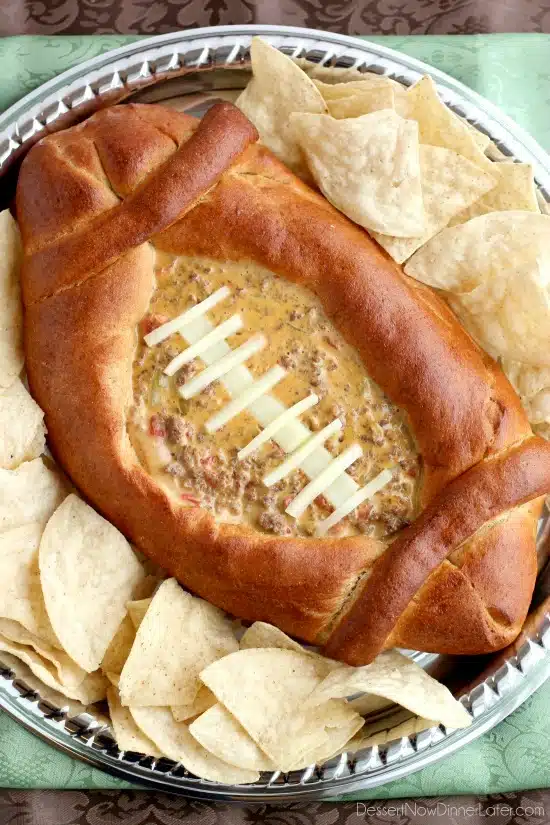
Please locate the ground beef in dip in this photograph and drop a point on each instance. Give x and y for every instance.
(168, 432)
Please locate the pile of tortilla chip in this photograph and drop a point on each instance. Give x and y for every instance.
(494, 271)
(183, 686)
(67, 573)
(396, 161)
(402, 165)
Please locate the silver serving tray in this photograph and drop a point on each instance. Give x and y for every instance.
(187, 70)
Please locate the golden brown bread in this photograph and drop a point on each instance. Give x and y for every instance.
(90, 203)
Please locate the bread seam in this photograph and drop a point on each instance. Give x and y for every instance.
(156, 126)
(351, 616)
(113, 222)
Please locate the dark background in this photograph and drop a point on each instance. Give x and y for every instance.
(150, 17)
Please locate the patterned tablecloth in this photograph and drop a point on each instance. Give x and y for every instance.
(515, 73)
(345, 16)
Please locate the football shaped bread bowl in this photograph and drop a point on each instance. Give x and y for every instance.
(315, 442)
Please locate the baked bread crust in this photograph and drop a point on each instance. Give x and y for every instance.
(91, 201)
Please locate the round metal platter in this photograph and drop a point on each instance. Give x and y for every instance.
(188, 70)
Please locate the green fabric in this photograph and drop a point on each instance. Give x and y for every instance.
(514, 72)
(513, 756)
(511, 70)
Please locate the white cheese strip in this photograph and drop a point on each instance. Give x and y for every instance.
(233, 359)
(354, 501)
(281, 421)
(317, 485)
(246, 398)
(220, 333)
(267, 409)
(175, 325)
(296, 458)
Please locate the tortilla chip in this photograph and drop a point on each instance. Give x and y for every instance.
(137, 610)
(527, 381)
(369, 82)
(515, 189)
(278, 87)
(119, 648)
(340, 723)
(439, 126)
(22, 431)
(203, 700)
(68, 672)
(29, 494)
(399, 679)
(261, 634)
(368, 167)
(532, 384)
(11, 315)
(450, 183)
(314, 734)
(21, 596)
(542, 429)
(174, 741)
(387, 730)
(92, 689)
(482, 140)
(220, 733)
(127, 734)
(88, 573)
(368, 704)
(121, 644)
(265, 689)
(363, 103)
(179, 636)
(114, 678)
(495, 272)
